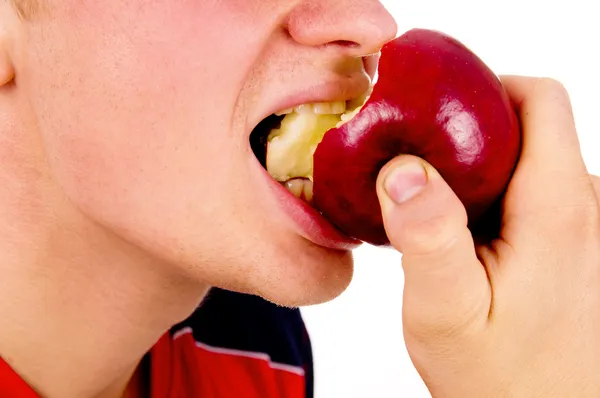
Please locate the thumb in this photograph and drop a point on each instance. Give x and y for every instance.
(446, 286)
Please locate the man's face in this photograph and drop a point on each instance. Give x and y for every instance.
(145, 109)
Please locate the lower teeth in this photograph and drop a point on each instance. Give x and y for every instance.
(301, 188)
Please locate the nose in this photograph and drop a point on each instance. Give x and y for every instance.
(359, 26)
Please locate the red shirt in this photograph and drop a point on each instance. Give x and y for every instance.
(233, 346)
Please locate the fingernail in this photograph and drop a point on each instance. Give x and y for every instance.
(405, 181)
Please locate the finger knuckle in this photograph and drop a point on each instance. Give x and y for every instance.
(550, 84)
(553, 88)
(439, 326)
(425, 327)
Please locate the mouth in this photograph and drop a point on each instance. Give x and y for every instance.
(284, 143)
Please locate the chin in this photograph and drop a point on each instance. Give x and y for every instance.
(320, 275)
(308, 275)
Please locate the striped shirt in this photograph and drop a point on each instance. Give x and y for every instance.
(233, 346)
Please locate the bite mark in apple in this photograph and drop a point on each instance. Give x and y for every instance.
(435, 99)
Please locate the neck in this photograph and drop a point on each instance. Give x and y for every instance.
(78, 306)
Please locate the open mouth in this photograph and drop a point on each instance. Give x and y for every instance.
(286, 141)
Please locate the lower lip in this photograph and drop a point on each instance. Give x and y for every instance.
(313, 225)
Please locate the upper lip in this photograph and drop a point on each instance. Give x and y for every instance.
(332, 90)
(329, 91)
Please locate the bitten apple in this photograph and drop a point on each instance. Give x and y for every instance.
(435, 99)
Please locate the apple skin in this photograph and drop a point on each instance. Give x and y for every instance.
(435, 99)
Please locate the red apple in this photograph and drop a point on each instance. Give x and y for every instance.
(434, 99)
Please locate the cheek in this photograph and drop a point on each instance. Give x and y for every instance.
(137, 119)
(137, 104)
(136, 109)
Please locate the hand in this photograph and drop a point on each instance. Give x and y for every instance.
(519, 317)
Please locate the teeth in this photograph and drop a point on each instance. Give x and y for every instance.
(329, 108)
(295, 186)
(304, 109)
(318, 108)
(337, 108)
(307, 191)
(322, 108)
(301, 188)
(290, 146)
(284, 112)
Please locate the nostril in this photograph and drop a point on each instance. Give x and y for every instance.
(359, 27)
(345, 44)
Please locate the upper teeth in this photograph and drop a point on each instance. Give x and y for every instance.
(291, 146)
(319, 108)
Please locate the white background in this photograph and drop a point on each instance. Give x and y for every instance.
(357, 338)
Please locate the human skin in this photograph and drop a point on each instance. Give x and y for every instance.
(128, 187)
(128, 182)
(518, 316)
